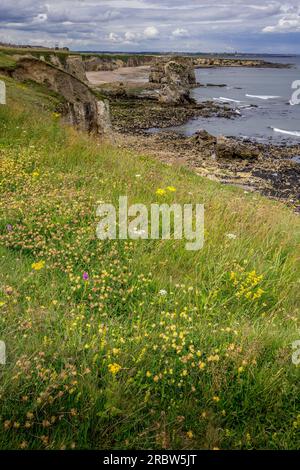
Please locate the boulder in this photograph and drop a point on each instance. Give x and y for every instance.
(230, 149)
(203, 138)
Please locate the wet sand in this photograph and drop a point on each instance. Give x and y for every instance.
(123, 74)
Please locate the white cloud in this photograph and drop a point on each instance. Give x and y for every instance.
(151, 32)
(162, 25)
(180, 33)
(289, 23)
(114, 38)
(130, 36)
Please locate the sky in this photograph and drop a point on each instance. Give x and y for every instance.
(154, 25)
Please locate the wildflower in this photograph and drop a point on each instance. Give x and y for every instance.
(38, 266)
(156, 378)
(241, 369)
(55, 116)
(9, 227)
(190, 434)
(201, 365)
(171, 189)
(231, 236)
(160, 192)
(163, 292)
(35, 174)
(114, 368)
(85, 276)
(216, 399)
(213, 358)
(148, 374)
(23, 445)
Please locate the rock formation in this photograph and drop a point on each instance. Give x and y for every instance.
(175, 70)
(223, 148)
(80, 105)
(175, 76)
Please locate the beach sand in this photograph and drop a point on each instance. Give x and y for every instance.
(123, 74)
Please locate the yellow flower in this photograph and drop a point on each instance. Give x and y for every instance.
(55, 115)
(148, 374)
(171, 189)
(216, 399)
(160, 192)
(201, 365)
(38, 266)
(240, 370)
(35, 174)
(190, 434)
(114, 368)
(156, 378)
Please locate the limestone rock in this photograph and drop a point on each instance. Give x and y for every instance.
(176, 70)
(174, 94)
(81, 107)
(75, 66)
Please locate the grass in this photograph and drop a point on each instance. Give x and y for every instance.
(110, 362)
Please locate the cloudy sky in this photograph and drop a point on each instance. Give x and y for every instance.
(154, 25)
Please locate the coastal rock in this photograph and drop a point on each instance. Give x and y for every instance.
(202, 137)
(174, 94)
(80, 105)
(230, 149)
(74, 65)
(176, 71)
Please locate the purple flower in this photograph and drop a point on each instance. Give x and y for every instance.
(85, 276)
(9, 227)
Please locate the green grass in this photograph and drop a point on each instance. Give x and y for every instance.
(109, 363)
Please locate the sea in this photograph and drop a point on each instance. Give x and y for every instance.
(262, 99)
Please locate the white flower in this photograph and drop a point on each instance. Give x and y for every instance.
(163, 292)
(231, 236)
(138, 176)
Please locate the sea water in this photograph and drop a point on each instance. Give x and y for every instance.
(260, 98)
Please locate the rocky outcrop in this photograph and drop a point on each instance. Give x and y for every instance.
(75, 65)
(175, 76)
(174, 94)
(176, 70)
(80, 106)
(228, 148)
(223, 148)
(234, 62)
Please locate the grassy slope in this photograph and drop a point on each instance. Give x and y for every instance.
(206, 366)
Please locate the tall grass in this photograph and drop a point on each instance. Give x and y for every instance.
(122, 344)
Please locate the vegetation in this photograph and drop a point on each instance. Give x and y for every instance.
(137, 345)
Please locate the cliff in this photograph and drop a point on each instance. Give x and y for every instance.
(80, 106)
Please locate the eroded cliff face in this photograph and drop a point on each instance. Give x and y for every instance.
(80, 106)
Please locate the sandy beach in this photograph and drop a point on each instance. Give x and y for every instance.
(123, 74)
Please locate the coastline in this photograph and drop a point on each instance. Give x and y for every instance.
(273, 173)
